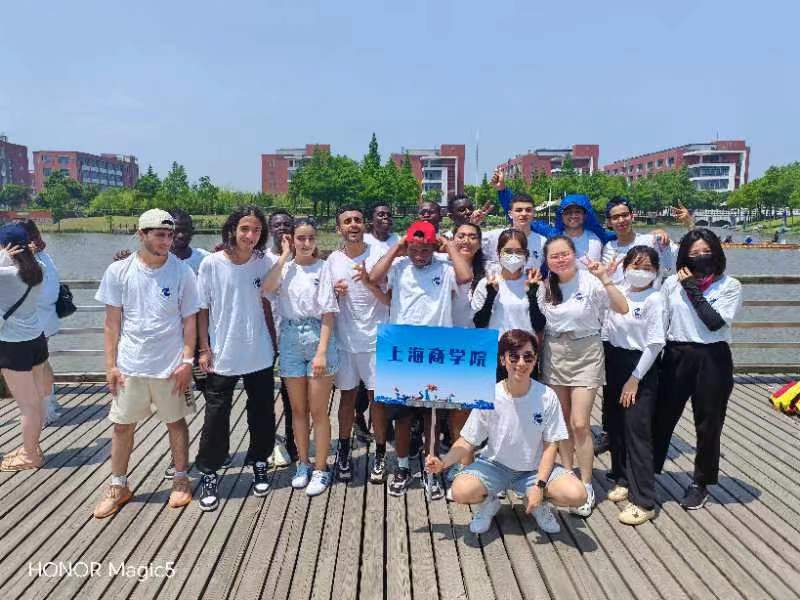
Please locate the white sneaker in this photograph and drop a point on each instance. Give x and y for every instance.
(545, 519)
(280, 456)
(50, 415)
(53, 404)
(320, 480)
(482, 519)
(301, 476)
(449, 495)
(585, 509)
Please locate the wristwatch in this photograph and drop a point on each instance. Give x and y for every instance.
(541, 484)
(188, 361)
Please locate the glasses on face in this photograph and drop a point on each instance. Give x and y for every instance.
(513, 251)
(528, 357)
(560, 256)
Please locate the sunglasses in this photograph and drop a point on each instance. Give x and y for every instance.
(528, 357)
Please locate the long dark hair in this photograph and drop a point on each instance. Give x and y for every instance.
(552, 293)
(309, 222)
(232, 222)
(478, 259)
(710, 238)
(512, 234)
(30, 271)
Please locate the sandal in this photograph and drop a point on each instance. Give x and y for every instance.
(19, 462)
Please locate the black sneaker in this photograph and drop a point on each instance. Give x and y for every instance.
(343, 465)
(169, 472)
(401, 480)
(260, 481)
(601, 443)
(696, 497)
(378, 472)
(361, 430)
(227, 462)
(209, 498)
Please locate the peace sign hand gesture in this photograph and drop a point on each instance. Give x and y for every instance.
(477, 216)
(534, 279)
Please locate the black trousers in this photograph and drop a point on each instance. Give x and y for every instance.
(215, 437)
(288, 426)
(703, 372)
(630, 430)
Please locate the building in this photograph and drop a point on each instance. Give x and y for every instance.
(437, 169)
(721, 166)
(277, 169)
(13, 163)
(550, 161)
(103, 171)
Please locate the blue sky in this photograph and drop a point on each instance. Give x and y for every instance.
(215, 85)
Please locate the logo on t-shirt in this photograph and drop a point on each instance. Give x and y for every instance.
(537, 418)
(437, 280)
(637, 312)
(316, 281)
(257, 282)
(165, 292)
(712, 300)
(535, 254)
(579, 296)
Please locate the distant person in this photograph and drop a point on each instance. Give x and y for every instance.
(701, 303)
(462, 211)
(23, 348)
(233, 325)
(748, 240)
(380, 235)
(431, 212)
(520, 453)
(776, 237)
(150, 335)
(46, 305)
(728, 239)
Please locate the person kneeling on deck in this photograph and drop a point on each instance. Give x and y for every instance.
(522, 434)
(150, 333)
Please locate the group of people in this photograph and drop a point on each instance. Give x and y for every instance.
(577, 307)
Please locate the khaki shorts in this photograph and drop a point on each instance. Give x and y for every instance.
(573, 362)
(140, 397)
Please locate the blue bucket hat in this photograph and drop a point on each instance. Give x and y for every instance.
(13, 235)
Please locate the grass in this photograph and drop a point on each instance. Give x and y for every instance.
(772, 225)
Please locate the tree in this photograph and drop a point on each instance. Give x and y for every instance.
(408, 187)
(433, 195)
(15, 196)
(176, 183)
(205, 195)
(149, 184)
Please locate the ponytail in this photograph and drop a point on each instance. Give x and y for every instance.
(30, 271)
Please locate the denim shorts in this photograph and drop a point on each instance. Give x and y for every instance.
(496, 477)
(298, 345)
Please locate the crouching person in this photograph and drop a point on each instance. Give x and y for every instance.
(522, 435)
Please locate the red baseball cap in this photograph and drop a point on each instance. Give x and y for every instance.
(421, 232)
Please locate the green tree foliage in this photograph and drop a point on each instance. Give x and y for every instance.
(15, 196)
(776, 189)
(149, 183)
(64, 196)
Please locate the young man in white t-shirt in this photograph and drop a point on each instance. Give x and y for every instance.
(362, 306)
(150, 333)
(522, 435)
(421, 288)
(232, 318)
(381, 237)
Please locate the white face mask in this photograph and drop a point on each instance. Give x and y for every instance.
(511, 262)
(638, 278)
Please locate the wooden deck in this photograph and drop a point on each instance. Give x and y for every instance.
(356, 542)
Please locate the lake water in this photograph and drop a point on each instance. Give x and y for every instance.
(86, 256)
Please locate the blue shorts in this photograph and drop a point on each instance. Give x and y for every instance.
(298, 346)
(497, 478)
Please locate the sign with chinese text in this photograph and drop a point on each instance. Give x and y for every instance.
(436, 367)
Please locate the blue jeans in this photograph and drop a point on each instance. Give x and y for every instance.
(496, 477)
(298, 345)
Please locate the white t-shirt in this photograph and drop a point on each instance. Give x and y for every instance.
(422, 296)
(666, 255)
(462, 307)
(359, 310)
(306, 292)
(683, 324)
(154, 303)
(381, 247)
(587, 244)
(643, 325)
(46, 301)
(240, 342)
(535, 248)
(582, 310)
(511, 308)
(517, 427)
(195, 258)
(24, 324)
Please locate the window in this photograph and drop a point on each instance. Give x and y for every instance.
(671, 161)
(660, 162)
(649, 165)
(47, 172)
(639, 168)
(64, 172)
(63, 161)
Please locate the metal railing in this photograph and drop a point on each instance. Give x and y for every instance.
(793, 367)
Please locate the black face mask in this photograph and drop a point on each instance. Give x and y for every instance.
(702, 265)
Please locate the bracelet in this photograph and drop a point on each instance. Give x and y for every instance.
(188, 361)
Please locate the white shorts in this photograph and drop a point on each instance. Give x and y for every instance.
(355, 367)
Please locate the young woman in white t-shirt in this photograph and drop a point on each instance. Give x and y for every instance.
(635, 339)
(574, 302)
(701, 304)
(308, 351)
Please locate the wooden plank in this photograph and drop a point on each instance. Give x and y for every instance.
(398, 575)
(473, 567)
(423, 566)
(373, 559)
(445, 551)
(348, 558)
(498, 564)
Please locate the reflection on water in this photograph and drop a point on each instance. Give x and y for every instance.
(85, 256)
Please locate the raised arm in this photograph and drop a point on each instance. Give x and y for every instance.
(273, 279)
(381, 268)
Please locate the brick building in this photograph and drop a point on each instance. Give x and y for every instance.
(721, 166)
(13, 163)
(550, 161)
(437, 169)
(103, 171)
(277, 169)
